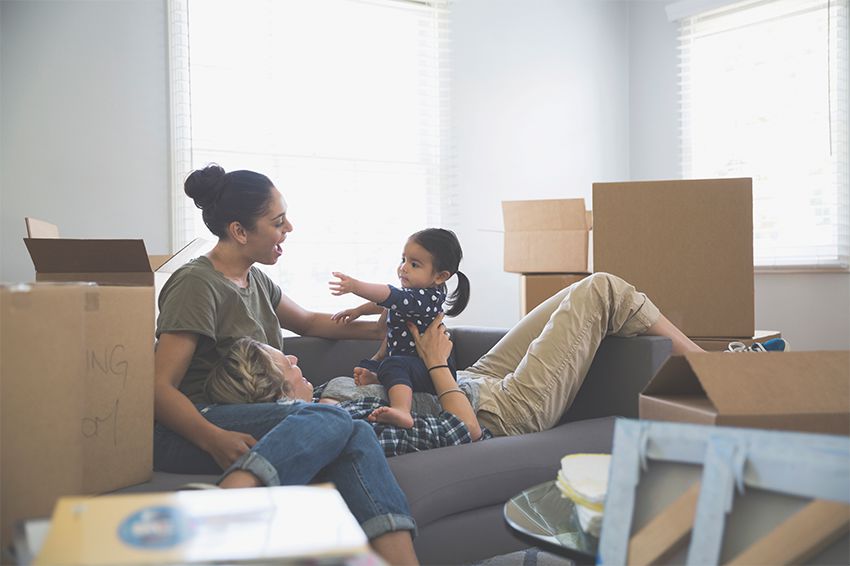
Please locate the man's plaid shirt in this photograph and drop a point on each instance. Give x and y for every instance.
(428, 431)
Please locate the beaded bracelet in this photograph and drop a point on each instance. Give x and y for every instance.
(438, 367)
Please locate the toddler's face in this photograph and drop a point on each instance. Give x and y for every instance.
(416, 270)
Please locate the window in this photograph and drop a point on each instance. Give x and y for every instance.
(764, 94)
(342, 103)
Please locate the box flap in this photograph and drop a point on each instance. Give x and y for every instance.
(774, 383)
(62, 255)
(544, 215)
(193, 249)
(674, 378)
(40, 229)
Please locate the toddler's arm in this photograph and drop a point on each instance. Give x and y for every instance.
(375, 292)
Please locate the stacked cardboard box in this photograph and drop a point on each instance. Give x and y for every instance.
(76, 376)
(547, 242)
(687, 244)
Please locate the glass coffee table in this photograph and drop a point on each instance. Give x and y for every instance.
(542, 518)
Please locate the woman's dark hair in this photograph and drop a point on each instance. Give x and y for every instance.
(238, 196)
(444, 247)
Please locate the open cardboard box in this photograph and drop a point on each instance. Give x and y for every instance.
(687, 244)
(546, 236)
(76, 375)
(103, 261)
(802, 391)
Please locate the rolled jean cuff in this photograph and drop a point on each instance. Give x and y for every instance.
(257, 465)
(390, 522)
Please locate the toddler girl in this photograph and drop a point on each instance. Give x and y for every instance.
(430, 258)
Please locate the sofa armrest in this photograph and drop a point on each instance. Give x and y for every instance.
(621, 369)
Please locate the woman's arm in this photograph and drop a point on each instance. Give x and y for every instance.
(434, 347)
(299, 320)
(348, 316)
(173, 409)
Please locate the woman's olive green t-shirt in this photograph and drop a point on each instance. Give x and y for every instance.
(199, 299)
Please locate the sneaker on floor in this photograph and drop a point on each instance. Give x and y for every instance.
(772, 345)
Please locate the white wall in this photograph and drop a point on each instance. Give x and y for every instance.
(540, 91)
(84, 123)
(550, 96)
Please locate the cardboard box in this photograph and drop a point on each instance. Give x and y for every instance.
(76, 377)
(76, 393)
(687, 244)
(103, 261)
(536, 288)
(802, 391)
(546, 236)
(720, 344)
(277, 525)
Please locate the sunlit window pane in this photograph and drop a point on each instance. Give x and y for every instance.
(340, 103)
(764, 93)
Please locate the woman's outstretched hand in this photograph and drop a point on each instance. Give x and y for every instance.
(434, 345)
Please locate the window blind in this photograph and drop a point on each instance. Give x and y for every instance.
(343, 103)
(764, 94)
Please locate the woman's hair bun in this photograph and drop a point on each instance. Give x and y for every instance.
(203, 185)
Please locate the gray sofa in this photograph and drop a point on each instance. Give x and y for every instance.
(457, 493)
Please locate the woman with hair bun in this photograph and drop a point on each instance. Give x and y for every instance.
(221, 297)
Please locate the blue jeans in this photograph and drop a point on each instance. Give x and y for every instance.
(299, 443)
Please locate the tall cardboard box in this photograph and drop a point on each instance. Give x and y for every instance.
(537, 287)
(687, 244)
(802, 391)
(76, 393)
(546, 236)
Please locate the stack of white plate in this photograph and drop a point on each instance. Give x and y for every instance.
(583, 478)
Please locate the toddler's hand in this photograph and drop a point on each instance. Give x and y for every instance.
(346, 316)
(345, 284)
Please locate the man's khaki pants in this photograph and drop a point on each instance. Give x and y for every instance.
(532, 375)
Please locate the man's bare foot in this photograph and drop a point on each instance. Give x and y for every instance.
(363, 376)
(392, 416)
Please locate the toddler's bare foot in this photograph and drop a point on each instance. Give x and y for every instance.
(392, 416)
(363, 376)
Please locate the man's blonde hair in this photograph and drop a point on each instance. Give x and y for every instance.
(246, 374)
